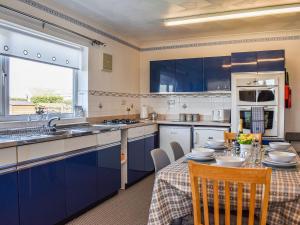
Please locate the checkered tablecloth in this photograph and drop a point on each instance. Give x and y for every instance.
(172, 197)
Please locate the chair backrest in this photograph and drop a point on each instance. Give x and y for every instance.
(177, 150)
(230, 136)
(258, 136)
(239, 176)
(160, 159)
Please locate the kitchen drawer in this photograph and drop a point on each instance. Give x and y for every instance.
(109, 137)
(8, 156)
(76, 143)
(150, 129)
(40, 150)
(136, 132)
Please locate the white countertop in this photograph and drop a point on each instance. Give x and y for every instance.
(198, 123)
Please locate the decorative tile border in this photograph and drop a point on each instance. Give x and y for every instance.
(165, 47)
(228, 42)
(150, 95)
(76, 22)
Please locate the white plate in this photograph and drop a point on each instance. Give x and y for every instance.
(284, 157)
(203, 151)
(269, 149)
(279, 145)
(268, 161)
(231, 161)
(196, 157)
(216, 147)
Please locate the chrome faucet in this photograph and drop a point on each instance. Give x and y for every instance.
(52, 127)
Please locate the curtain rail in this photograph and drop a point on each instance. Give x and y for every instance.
(93, 41)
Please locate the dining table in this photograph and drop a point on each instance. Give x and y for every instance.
(172, 195)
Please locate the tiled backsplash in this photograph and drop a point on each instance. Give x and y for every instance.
(202, 105)
(113, 103)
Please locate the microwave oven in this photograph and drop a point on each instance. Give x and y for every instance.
(257, 95)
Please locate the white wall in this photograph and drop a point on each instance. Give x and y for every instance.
(224, 48)
(131, 68)
(124, 77)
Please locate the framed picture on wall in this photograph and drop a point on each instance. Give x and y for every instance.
(107, 62)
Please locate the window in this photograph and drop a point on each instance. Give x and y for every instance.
(31, 87)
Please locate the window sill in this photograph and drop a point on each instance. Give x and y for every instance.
(7, 124)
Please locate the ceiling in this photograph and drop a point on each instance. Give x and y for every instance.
(142, 19)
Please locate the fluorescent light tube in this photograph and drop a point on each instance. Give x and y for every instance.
(272, 10)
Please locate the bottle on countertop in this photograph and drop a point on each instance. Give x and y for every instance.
(241, 126)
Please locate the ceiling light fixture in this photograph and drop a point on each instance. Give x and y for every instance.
(230, 15)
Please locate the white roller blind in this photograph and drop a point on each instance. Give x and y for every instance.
(28, 44)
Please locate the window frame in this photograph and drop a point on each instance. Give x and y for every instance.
(4, 95)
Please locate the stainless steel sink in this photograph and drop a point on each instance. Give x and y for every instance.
(59, 132)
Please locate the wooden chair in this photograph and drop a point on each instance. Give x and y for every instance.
(230, 136)
(228, 175)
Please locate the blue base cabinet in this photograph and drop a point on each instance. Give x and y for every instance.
(42, 194)
(149, 146)
(140, 162)
(109, 171)
(135, 160)
(9, 208)
(81, 181)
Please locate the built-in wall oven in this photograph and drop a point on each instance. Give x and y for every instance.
(258, 89)
(253, 91)
(270, 119)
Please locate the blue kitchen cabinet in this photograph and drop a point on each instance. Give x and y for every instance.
(81, 181)
(135, 160)
(243, 62)
(9, 209)
(162, 76)
(156, 140)
(189, 75)
(217, 73)
(109, 171)
(149, 146)
(42, 194)
(273, 60)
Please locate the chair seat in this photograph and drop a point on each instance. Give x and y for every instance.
(189, 220)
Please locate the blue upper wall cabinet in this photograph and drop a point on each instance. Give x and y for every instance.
(273, 60)
(212, 73)
(189, 75)
(217, 73)
(261, 61)
(244, 62)
(162, 75)
(180, 75)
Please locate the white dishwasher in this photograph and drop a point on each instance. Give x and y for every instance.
(180, 134)
(201, 134)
